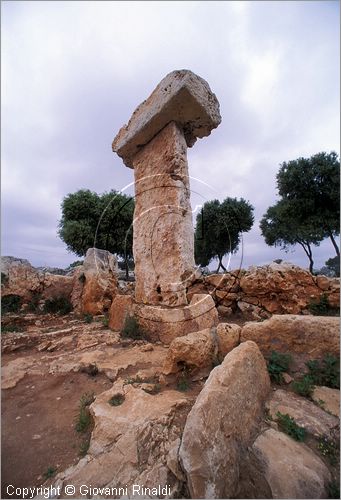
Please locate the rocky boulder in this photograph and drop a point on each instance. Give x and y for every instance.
(313, 336)
(222, 421)
(95, 282)
(291, 469)
(328, 399)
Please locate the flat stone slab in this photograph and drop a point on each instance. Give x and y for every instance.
(183, 97)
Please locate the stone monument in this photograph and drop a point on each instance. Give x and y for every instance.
(181, 109)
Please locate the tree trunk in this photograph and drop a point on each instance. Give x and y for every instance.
(127, 267)
(221, 265)
(334, 244)
(306, 247)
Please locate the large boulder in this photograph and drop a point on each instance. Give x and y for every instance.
(120, 309)
(201, 350)
(328, 399)
(313, 336)
(21, 278)
(291, 469)
(222, 421)
(95, 282)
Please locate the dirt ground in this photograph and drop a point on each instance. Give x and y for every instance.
(38, 426)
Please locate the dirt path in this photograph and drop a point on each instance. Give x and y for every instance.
(38, 426)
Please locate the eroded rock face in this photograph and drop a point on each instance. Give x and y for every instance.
(291, 469)
(165, 324)
(120, 308)
(95, 283)
(131, 441)
(272, 289)
(314, 336)
(305, 413)
(182, 97)
(221, 423)
(28, 282)
(328, 399)
(163, 229)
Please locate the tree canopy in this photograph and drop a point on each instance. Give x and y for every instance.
(219, 227)
(308, 210)
(101, 221)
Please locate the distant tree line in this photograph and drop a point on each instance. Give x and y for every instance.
(307, 212)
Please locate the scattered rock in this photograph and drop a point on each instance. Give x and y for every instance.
(222, 421)
(121, 307)
(291, 469)
(287, 378)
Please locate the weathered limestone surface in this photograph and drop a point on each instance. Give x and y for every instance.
(305, 413)
(181, 96)
(95, 282)
(165, 324)
(163, 229)
(121, 307)
(314, 336)
(328, 399)
(291, 469)
(131, 442)
(154, 143)
(221, 423)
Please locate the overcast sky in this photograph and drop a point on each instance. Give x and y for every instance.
(73, 72)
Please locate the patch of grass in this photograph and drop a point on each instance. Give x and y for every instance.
(183, 383)
(326, 371)
(88, 318)
(278, 364)
(131, 329)
(59, 305)
(105, 322)
(84, 447)
(329, 449)
(116, 400)
(83, 419)
(333, 490)
(288, 425)
(50, 472)
(304, 386)
(322, 307)
(11, 303)
(134, 380)
(10, 328)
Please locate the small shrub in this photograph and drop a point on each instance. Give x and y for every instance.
(328, 449)
(59, 305)
(135, 380)
(88, 318)
(278, 364)
(83, 420)
(84, 447)
(4, 279)
(116, 400)
(50, 472)
(183, 384)
(105, 322)
(289, 426)
(10, 328)
(304, 386)
(131, 329)
(10, 303)
(320, 308)
(325, 372)
(333, 490)
(33, 305)
(82, 278)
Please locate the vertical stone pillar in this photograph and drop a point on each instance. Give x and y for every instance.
(154, 143)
